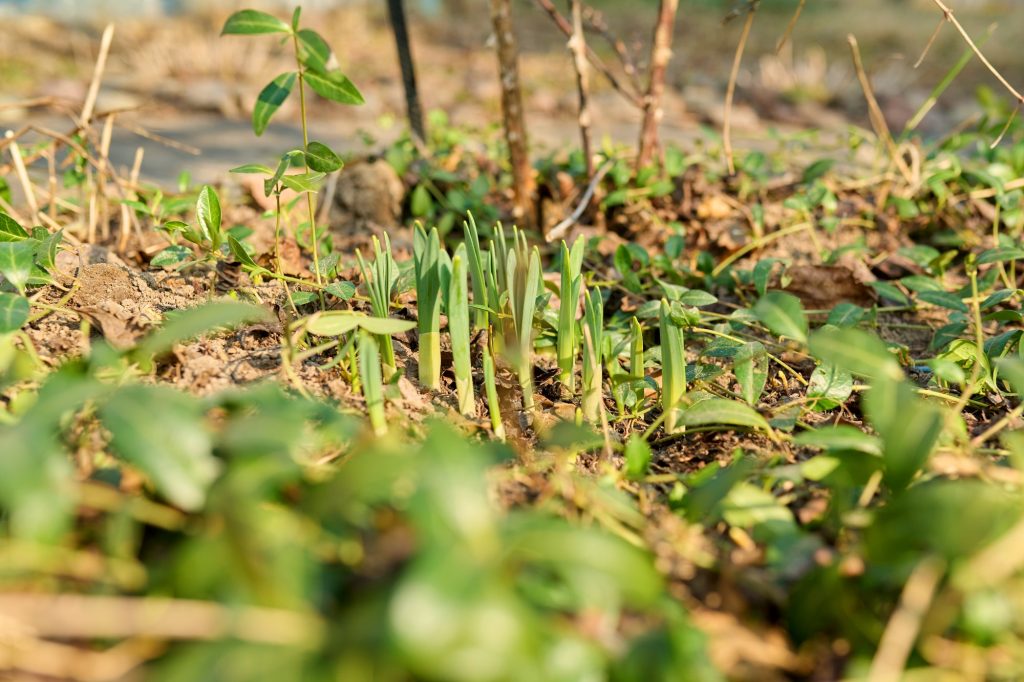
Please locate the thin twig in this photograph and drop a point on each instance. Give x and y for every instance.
(97, 76)
(730, 91)
(931, 41)
(578, 48)
(559, 230)
(789, 27)
(565, 27)
(596, 21)
(951, 18)
(661, 52)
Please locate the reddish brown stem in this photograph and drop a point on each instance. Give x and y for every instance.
(578, 48)
(565, 27)
(512, 108)
(661, 52)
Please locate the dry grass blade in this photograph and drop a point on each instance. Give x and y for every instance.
(931, 41)
(74, 616)
(789, 27)
(97, 76)
(731, 91)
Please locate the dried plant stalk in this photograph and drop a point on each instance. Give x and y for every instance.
(661, 52)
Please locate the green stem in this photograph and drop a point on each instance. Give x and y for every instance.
(309, 195)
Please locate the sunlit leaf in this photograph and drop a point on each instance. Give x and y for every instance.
(333, 85)
(783, 314)
(14, 311)
(252, 22)
(270, 100)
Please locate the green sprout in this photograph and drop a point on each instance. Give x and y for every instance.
(380, 279)
(427, 256)
(593, 343)
(636, 360)
(477, 269)
(567, 343)
(458, 329)
(673, 367)
(370, 377)
(312, 59)
(493, 404)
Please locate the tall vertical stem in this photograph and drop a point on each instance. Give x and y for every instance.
(396, 13)
(310, 205)
(578, 47)
(661, 52)
(512, 107)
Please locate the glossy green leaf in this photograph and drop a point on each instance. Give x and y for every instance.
(241, 255)
(715, 411)
(14, 311)
(337, 322)
(270, 100)
(253, 22)
(783, 314)
(333, 85)
(208, 214)
(171, 256)
(829, 387)
(314, 52)
(16, 259)
(343, 290)
(10, 230)
(322, 158)
(750, 364)
(161, 432)
(252, 168)
(303, 182)
(943, 299)
(909, 428)
(857, 351)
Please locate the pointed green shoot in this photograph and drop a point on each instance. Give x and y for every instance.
(370, 377)
(427, 261)
(593, 343)
(458, 329)
(673, 368)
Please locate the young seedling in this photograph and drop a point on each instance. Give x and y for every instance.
(567, 344)
(380, 279)
(593, 343)
(206, 234)
(427, 261)
(370, 377)
(476, 274)
(458, 329)
(524, 274)
(636, 360)
(312, 68)
(493, 405)
(673, 367)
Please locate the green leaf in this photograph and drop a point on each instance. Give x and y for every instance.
(697, 298)
(300, 298)
(13, 312)
(722, 411)
(333, 85)
(421, 204)
(783, 314)
(314, 52)
(1000, 255)
(846, 314)
(890, 291)
(750, 364)
(172, 255)
(322, 158)
(856, 351)
(270, 99)
(208, 214)
(943, 299)
(252, 168)
(193, 322)
(343, 290)
(241, 255)
(839, 437)
(302, 182)
(252, 22)
(16, 259)
(638, 457)
(908, 426)
(829, 387)
(337, 322)
(161, 432)
(10, 230)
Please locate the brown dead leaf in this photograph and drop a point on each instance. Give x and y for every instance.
(823, 286)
